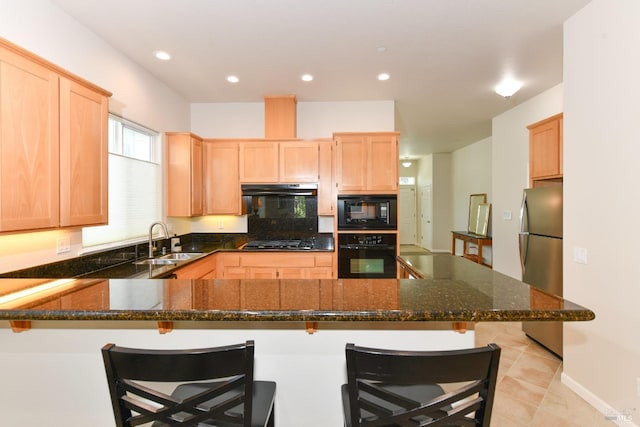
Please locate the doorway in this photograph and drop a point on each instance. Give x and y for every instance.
(407, 220)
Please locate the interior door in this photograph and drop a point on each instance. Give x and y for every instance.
(426, 213)
(407, 223)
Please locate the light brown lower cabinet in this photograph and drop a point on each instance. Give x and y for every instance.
(275, 265)
(204, 268)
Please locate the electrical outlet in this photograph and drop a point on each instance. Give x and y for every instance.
(63, 245)
(506, 215)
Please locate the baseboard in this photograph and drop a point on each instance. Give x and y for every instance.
(621, 417)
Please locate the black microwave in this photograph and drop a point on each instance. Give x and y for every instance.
(373, 212)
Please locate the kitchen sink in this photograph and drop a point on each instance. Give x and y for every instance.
(180, 255)
(157, 261)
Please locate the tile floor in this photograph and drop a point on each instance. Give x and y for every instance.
(529, 390)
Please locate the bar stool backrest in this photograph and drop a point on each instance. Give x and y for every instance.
(135, 403)
(407, 388)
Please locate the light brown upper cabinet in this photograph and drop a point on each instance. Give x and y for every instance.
(259, 161)
(84, 170)
(366, 162)
(221, 187)
(267, 161)
(184, 174)
(326, 189)
(545, 149)
(53, 145)
(299, 161)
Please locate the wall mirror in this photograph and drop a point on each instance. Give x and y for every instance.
(474, 201)
(482, 223)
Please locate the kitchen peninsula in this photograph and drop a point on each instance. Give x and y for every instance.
(61, 350)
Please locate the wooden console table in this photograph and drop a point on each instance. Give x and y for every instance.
(466, 238)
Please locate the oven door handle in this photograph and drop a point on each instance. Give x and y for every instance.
(368, 247)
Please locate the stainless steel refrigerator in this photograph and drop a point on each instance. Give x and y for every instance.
(541, 255)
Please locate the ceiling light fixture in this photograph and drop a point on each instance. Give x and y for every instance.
(507, 87)
(406, 164)
(383, 76)
(306, 77)
(233, 79)
(162, 55)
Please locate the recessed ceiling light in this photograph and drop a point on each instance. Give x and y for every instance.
(233, 79)
(383, 76)
(507, 87)
(162, 55)
(381, 49)
(306, 77)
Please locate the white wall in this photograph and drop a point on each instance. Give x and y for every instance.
(510, 173)
(602, 203)
(314, 119)
(42, 28)
(471, 168)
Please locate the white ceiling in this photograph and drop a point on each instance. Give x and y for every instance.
(444, 56)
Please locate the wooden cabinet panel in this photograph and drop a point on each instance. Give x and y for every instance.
(184, 175)
(299, 161)
(351, 168)
(95, 297)
(201, 269)
(280, 116)
(53, 145)
(84, 174)
(367, 162)
(221, 176)
(326, 187)
(545, 148)
(382, 165)
(29, 145)
(259, 161)
(275, 265)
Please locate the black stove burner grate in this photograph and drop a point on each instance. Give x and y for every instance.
(288, 244)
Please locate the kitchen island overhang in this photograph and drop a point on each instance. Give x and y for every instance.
(72, 322)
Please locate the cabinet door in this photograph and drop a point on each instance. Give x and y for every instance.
(84, 175)
(351, 168)
(184, 175)
(221, 188)
(198, 269)
(299, 161)
(197, 182)
(262, 272)
(545, 149)
(259, 161)
(29, 145)
(382, 164)
(326, 193)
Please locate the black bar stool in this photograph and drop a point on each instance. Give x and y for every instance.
(229, 397)
(407, 388)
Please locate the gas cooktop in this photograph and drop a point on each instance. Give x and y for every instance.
(285, 245)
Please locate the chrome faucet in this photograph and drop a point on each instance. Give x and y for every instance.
(166, 236)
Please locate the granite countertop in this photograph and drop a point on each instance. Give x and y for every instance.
(453, 289)
(120, 263)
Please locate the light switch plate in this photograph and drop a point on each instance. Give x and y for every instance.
(506, 215)
(580, 255)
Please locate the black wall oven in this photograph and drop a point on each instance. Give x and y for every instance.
(367, 256)
(361, 212)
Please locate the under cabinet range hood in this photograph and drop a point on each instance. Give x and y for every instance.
(279, 190)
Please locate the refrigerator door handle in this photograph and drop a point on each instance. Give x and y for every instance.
(523, 237)
(524, 214)
(523, 245)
